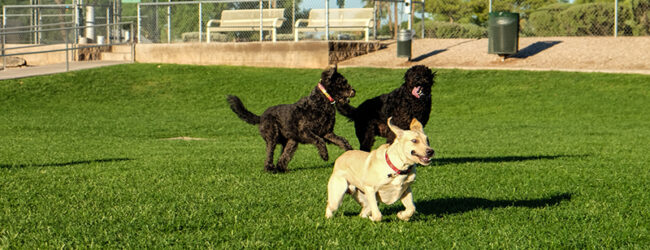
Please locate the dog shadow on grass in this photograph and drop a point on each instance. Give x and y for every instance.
(496, 159)
(303, 168)
(447, 206)
(63, 164)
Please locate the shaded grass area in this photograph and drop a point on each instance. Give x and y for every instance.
(524, 159)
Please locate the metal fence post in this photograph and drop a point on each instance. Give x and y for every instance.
(616, 18)
(374, 19)
(4, 25)
(200, 21)
(169, 23)
(422, 19)
(139, 25)
(327, 21)
(4, 58)
(261, 24)
(4, 16)
(132, 42)
(108, 26)
(67, 53)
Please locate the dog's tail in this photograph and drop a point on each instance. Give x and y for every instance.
(238, 107)
(347, 110)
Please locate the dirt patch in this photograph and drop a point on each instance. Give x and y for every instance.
(585, 54)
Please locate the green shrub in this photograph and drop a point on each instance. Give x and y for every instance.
(592, 19)
(452, 30)
(544, 22)
(638, 18)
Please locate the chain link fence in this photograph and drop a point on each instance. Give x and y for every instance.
(174, 22)
(187, 21)
(589, 19)
(171, 21)
(17, 17)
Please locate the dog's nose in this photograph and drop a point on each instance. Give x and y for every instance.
(430, 152)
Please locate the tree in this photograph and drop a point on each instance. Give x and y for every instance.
(451, 9)
(340, 3)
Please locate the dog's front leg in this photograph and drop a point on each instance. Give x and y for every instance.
(371, 197)
(319, 142)
(409, 207)
(339, 141)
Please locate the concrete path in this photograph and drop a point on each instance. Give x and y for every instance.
(14, 73)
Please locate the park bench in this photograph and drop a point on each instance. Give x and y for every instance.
(247, 20)
(352, 19)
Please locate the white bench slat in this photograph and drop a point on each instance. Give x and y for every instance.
(247, 20)
(352, 19)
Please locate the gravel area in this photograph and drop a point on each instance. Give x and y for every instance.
(584, 54)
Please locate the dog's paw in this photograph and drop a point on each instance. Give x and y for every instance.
(404, 215)
(270, 169)
(375, 218)
(328, 213)
(324, 156)
(364, 214)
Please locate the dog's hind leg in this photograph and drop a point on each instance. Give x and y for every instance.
(288, 149)
(361, 199)
(268, 162)
(339, 141)
(336, 188)
(270, 134)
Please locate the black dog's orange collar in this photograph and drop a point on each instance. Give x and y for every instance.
(397, 171)
(322, 89)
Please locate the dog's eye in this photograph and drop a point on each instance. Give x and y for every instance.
(414, 141)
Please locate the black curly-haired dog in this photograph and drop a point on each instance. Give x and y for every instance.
(310, 120)
(411, 100)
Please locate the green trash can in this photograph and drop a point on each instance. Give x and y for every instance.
(404, 38)
(503, 33)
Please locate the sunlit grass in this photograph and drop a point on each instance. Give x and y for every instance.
(524, 159)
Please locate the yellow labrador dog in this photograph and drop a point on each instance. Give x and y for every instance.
(384, 174)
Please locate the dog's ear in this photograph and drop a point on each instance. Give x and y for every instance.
(416, 126)
(433, 76)
(398, 132)
(325, 76)
(328, 74)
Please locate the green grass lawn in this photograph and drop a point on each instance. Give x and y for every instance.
(524, 160)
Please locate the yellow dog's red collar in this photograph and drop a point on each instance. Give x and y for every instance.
(397, 171)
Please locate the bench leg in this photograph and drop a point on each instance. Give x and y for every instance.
(295, 36)
(274, 35)
(207, 36)
(367, 32)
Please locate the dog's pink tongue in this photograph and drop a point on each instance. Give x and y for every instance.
(415, 91)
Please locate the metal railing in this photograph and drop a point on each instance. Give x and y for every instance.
(69, 45)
